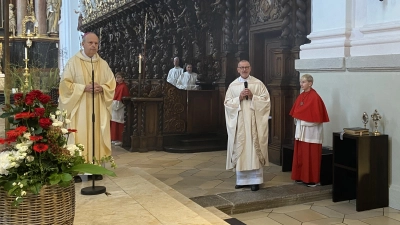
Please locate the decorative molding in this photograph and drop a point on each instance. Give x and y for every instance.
(352, 64)
(373, 63)
(320, 65)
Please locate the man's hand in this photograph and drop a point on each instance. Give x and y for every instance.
(97, 88)
(244, 93)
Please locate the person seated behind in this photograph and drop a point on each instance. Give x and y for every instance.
(187, 81)
(175, 72)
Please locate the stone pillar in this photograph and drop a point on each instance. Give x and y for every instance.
(21, 13)
(40, 14)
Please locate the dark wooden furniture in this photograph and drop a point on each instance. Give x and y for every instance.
(360, 170)
(326, 162)
(143, 125)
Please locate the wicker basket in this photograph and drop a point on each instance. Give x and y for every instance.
(54, 205)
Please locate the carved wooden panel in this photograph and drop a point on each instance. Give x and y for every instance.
(202, 108)
(175, 110)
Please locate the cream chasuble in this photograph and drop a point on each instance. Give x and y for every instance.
(77, 74)
(247, 126)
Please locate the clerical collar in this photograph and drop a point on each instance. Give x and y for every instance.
(242, 80)
(84, 55)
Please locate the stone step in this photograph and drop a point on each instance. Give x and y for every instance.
(195, 148)
(265, 198)
(202, 141)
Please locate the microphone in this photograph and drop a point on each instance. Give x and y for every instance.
(245, 86)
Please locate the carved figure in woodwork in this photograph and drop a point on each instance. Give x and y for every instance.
(11, 17)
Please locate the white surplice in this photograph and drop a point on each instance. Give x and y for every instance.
(173, 75)
(187, 81)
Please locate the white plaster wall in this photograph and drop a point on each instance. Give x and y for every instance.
(347, 95)
(70, 38)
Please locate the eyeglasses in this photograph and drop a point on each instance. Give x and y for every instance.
(244, 67)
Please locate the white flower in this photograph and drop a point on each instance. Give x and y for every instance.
(67, 121)
(52, 117)
(23, 193)
(14, 184)
(27, 136)
(64, 131)
(57, 123)
(21, 185)
(58, 112)
(30, 158)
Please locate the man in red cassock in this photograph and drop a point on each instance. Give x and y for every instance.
(309, 113)
(117, 114)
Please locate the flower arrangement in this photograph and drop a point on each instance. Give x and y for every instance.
(36, 152)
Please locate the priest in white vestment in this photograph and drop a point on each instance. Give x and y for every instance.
(246, 114)
(187, 81)
(175, 72)
(76, 97)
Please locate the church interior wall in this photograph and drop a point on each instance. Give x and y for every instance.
(362, 74)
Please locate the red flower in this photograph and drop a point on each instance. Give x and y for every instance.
(44, 99)
(29, 99)
(72, 130)
(40, 147)
(12, 134)
(21, 129)
(18, 96)
(45, 122)
(35, 93)
(24, 115)
(35, 138)
(39, 111)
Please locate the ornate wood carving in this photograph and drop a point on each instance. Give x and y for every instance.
(262, 11)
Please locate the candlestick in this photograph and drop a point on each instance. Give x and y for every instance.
(140, 63)
(26, 53)
(145, 28)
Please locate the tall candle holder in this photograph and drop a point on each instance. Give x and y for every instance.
(26, 74)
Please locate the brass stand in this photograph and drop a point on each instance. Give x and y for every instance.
(26, 74)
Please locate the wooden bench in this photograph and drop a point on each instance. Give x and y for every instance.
(326, 162)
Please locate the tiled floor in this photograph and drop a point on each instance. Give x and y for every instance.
(138, 196)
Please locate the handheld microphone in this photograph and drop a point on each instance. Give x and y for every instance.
(245, 86)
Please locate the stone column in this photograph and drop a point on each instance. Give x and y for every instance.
(40, 14)
(21, 13)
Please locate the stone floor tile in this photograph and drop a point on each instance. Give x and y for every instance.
(306, 215)
(284, 219)
(250, 215)
(327, 212)
(292, 208)
(381, 220)
(327, 221)
(364, 215)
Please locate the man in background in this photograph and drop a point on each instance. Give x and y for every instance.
(175, 72)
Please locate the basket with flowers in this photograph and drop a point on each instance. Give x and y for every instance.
(36, 152)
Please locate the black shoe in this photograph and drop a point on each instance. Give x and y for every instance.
(240, 186)
(77, 179)
(96, 177)
(255, 187)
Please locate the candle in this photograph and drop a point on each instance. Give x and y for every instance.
(29, 31)
(26, 53)
(140, 63)
(145, 28)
